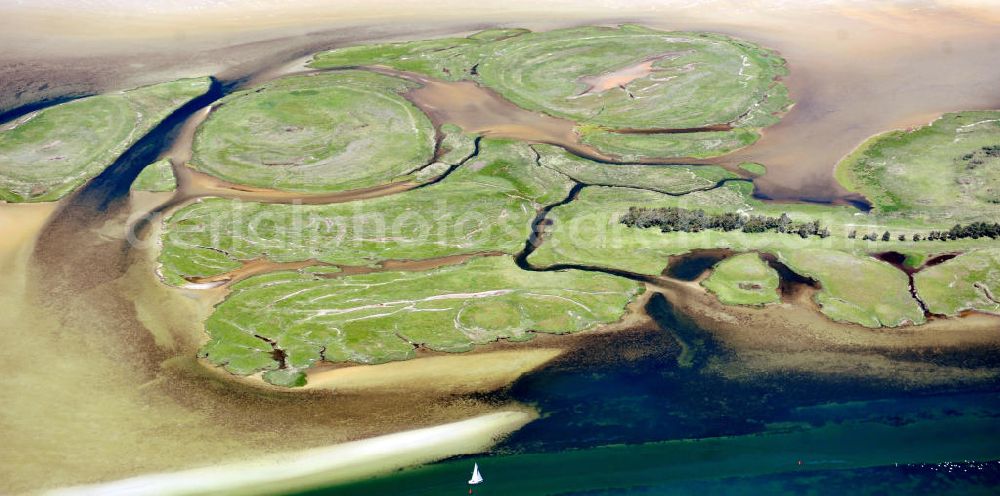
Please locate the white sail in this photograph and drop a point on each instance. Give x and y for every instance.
(476, 478)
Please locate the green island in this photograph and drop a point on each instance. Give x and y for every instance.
(157, 177)
(49, 153)
(744, 279)
(320, 132)
(634, 92)
(754, 168)
(532, 249)
(284, 322)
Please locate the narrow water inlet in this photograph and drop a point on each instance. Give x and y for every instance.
(898, 260)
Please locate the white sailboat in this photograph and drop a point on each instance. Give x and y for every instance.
(476, 478)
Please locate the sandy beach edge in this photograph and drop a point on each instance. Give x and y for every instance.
(322, 466)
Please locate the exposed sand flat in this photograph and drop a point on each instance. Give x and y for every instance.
(320, 466)
(621, 77)
(460, 373)
(19, 224)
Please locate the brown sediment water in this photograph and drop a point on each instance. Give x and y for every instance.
(857, 71)
(460, 373)
(19, 224)
(794, 288)
(939, 259)
(249, 268)
(480, 110)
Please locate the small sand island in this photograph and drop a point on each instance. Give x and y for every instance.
(437, 218)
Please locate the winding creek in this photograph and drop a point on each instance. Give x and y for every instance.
(652, 384)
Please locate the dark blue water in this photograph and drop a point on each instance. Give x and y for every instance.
(651, 385)
(910, 455)
(689, 266)
(636, 412)
(114, 183)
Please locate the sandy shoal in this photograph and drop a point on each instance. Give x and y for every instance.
(458, 374)
(322, 466)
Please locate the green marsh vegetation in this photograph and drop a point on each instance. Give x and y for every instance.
(949, 169)
(628, 88)
(486, 205)
(744, 279)
(970, 281)
(316, 133)
(673, 179)
(47, 154)
(284, 322)
(503, 187)
(635, 147)
(754, 168)
(855, 286)
(157, 177)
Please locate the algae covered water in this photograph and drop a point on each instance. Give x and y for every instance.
(651, 423)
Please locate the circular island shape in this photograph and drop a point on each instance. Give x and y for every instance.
(633, 77)
(316, 133)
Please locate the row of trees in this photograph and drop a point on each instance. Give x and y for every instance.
(670, 219)
(975, 230)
